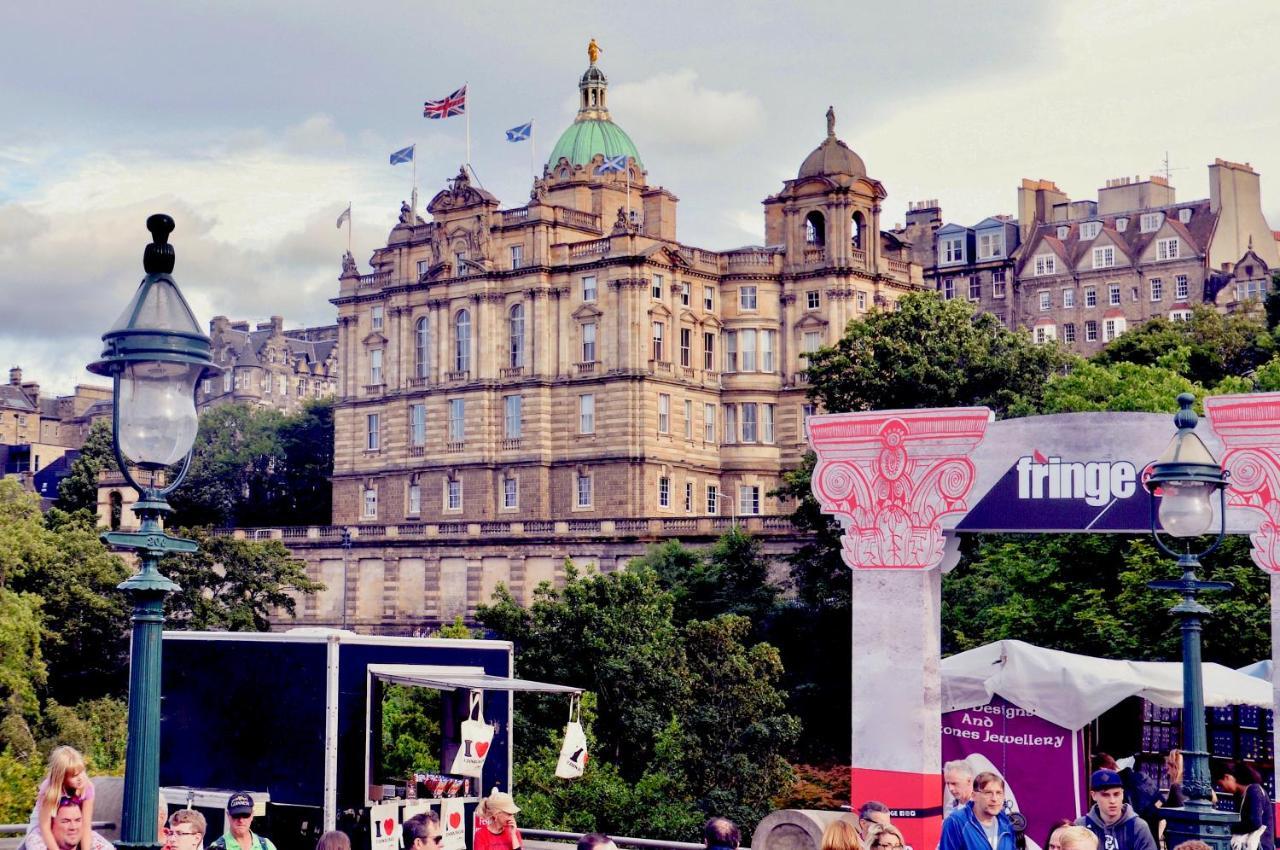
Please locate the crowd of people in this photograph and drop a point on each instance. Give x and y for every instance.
(1126, 815)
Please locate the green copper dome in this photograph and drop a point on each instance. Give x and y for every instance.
(583, 139)
(593, 131)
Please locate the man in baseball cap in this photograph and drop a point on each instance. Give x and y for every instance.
(1113, 820)
(238, 835)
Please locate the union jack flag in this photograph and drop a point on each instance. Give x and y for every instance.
(447, 107)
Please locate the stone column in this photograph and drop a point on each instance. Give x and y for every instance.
(1249, 427)
(890, 477)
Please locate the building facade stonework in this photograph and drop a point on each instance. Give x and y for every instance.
(567, 379)
(1083, 272)
(269, 366)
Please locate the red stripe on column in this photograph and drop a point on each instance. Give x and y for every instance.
(915, 799)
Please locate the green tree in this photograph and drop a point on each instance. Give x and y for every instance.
(1087, 593)
(1120, 386)
(79, 490)
(931, 353)
(233, 585)
(230, 481)
(736, 729)
(610, 634)
(306, 439)
(1217, 345)
(86, 619)
(410, 730)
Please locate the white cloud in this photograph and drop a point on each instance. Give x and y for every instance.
(255, 237)
(673, 111)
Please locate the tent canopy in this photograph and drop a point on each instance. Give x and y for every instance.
(1071, 690)
(452, 678)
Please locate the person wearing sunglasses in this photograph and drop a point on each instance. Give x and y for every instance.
(186, 830)
(422, 832)
(239, 834)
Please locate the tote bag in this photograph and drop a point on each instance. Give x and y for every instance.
(573, 752)
(477, 737)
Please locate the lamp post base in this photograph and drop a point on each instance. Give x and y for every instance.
(1198, 823)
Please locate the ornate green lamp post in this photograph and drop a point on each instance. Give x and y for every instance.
(1186, 477)
(155, 354)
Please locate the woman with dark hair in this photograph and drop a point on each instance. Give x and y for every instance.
(1255, 809)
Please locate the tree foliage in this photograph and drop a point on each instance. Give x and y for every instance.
(1216, 345)
(233, 585)
(684, 721)
(256, 466)
(931, 353)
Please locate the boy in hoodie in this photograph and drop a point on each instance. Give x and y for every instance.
(981, 823)
(1113, 820)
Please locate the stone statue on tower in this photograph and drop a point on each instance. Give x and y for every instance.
(831, 121)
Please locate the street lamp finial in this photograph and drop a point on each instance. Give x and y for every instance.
(158, 258)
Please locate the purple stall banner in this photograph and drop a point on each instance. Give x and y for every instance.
(1043, 764)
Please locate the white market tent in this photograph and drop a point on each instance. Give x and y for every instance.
(1072, 690)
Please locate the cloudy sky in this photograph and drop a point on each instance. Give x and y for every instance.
(254, 123)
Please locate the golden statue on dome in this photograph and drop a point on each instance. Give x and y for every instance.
(593, 51)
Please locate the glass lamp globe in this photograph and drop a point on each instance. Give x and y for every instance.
(157, 411)
(1186, 507)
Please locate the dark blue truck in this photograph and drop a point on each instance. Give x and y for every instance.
(294, 718)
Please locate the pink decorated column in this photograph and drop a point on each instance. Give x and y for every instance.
(1249, 428)
(890, 477)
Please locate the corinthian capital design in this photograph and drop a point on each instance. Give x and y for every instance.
(891, 476)
(1249, 427)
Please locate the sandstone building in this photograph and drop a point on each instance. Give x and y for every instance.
(568, 378)
(1083, 272)
(268, 365)
(40, 435)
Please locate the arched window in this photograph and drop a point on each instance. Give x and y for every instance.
(462, 342)
(815, 229)
(515, 323)
(858, 224)
(421, 347)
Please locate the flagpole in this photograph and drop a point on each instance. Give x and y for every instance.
(414, 195)
(466, 110)
(533, 149)
(348, 227)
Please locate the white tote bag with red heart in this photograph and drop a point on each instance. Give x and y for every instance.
(477, 737)
(452, 825)
(573, 752)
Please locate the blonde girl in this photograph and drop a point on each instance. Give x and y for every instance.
(66, 778)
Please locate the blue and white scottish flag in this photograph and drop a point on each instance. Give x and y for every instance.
(403, 155)
(521, 133)
(613, 164)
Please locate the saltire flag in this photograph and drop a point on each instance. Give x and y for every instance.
(521, 133)
(613, 164)
(403, 155)
(446, 107)
(345, 217)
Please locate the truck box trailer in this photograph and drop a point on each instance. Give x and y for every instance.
(294, 718)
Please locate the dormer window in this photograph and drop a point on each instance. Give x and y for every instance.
(1090, 229)
(990, 245)
(952, 249)
(1122, 224)
(1167, 249)
(1063, 231)
(1150, 222)
(1184, 215)
(1104, 257)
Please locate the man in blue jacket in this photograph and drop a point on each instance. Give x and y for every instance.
(981, 823)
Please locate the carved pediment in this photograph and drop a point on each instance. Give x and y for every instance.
(460, 195)
(811, 321)
(374, 338)
(688, 317)
(658, 311)
(586, 313)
